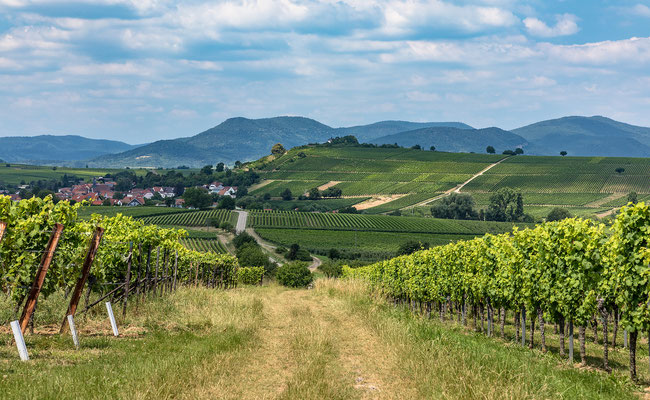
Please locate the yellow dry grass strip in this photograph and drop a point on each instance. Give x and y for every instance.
(598, 203)
(328, 185)
(308, 347)
(378, 201)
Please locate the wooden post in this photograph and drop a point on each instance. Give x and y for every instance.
(85, 272)
(155, 280)
(148, 273)
(163, 271)
(196, 275)
(3, 228)
(137, 278)
(175, 271)
(127, 281)
(46, 260)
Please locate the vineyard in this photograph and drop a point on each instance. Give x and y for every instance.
(204, 245)
(573, 273)
(545, 181)
(378, 223)
(191, 218)
(46, 248)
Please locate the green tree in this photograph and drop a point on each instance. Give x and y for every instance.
(226, 203)
(619, 170)
(563, 153)
(287, 195)
(432, 148)
(314, 194)
(206, 170)
(455, 206)
(490, 150)
(278, 150)
(558, 214)
(632, 198)
(505, 205)
(220, 167)
(519, 150)
(416, 147)
(197, 198)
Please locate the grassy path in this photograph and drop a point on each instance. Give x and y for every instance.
(333, 342)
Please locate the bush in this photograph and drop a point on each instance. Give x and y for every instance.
(331, 270)
(295, 275)
(242, 239)
(226, 226)
(250, 275)
(558, 213)
(411, 247)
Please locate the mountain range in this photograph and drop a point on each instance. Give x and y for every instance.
(247, 139)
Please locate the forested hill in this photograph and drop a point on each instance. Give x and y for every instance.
(44, 148)
(456, 140)
(586, 136)
(241, 139)
(384, 128)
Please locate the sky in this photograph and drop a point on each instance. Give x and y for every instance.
(142, 70)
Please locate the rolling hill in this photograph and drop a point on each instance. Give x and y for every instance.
(242, 139)
(586, 136)
(384, 128)
(456, 140)
(52, 149)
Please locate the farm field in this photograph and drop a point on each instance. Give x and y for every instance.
(545, 181)
(191, 218)
(378, 223)
(365, 245)
(206, 344)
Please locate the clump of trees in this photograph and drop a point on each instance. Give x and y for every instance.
(505, 205)
(294, 275)
(455, 206)
(411, 247)
(250, 254)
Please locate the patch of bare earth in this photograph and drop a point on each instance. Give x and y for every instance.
(328, 185)
(377, 201)
(261, 184)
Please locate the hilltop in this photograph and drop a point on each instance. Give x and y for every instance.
(50, 148)
(455, 139)
(587, 136)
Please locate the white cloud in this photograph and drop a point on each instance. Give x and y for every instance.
(641, 10)
(405, 16)
(635, 51)
(565, 25)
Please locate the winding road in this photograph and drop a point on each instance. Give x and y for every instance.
(242, 221)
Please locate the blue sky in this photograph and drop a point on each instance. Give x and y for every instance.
(141, 70)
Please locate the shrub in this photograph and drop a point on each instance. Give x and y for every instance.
(250, 275)
(243, 238)
(411, 247)
(294, 275)
(331, 270)
(558, 213)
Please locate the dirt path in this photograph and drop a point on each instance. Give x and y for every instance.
(311, 347)
(328, 185)
(604, 200)
(377, 201)
(270, 248)
(241, 221)
(458, 188)
(261, 184)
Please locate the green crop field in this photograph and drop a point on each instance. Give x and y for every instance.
(352, 244)
(377, 223)
(586, 185)
(14, 174)
(191, 218)
(203, 245)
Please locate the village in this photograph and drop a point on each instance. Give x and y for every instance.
(103, 192)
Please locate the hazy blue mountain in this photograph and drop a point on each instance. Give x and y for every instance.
(384, 128)
(587, 136)
(235, 139)
(245, 139)
(456, 140)
(50, 148)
